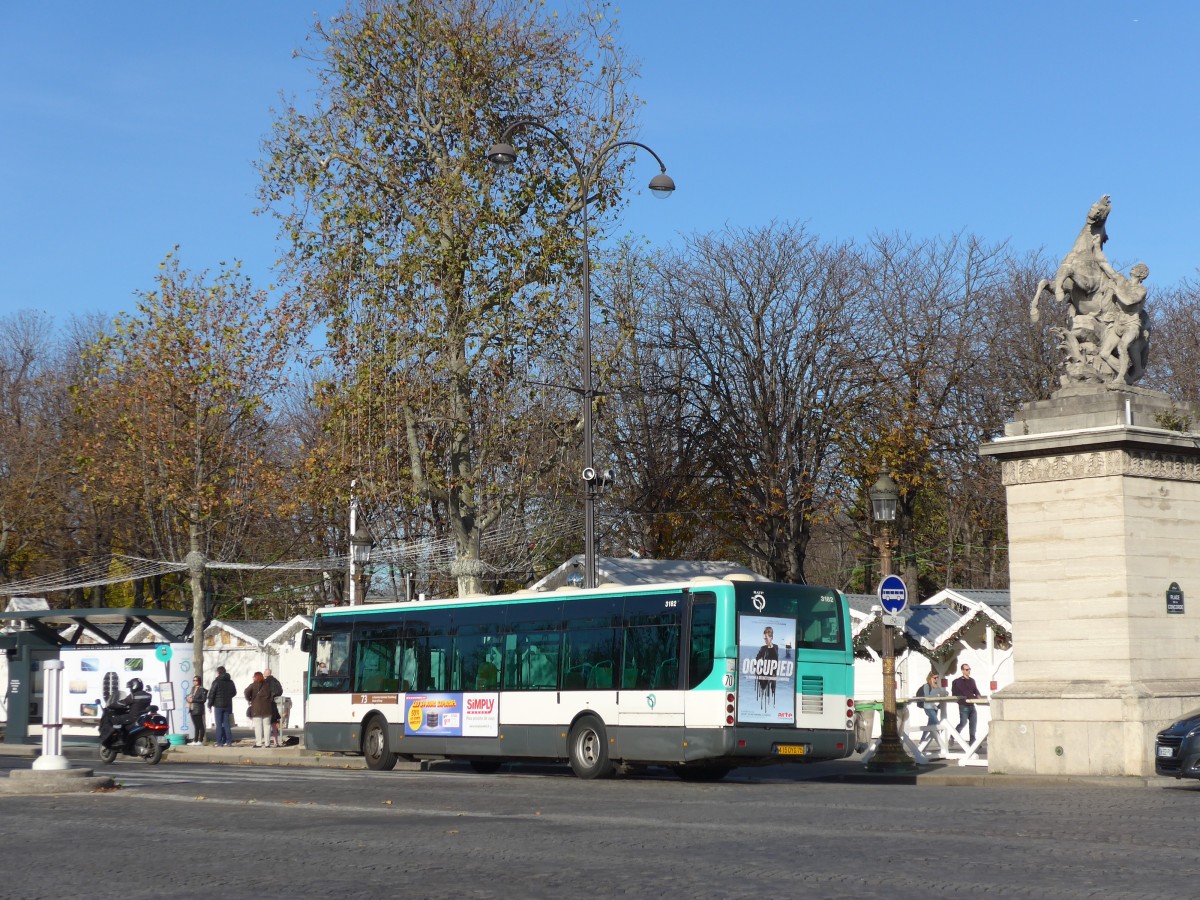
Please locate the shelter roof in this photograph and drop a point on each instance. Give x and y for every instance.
(630, 571)
(105, 625)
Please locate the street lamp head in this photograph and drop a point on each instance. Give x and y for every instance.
(885, 497)
(662, 186)
(361, 543)
(502, 154)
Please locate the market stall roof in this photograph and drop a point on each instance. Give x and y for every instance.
(255, 632)
(935, 622)
(106, 625)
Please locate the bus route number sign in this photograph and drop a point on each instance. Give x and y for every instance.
(893, 595)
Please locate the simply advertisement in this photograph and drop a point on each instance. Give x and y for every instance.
(452, 715)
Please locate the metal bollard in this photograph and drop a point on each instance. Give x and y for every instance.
(52, 757)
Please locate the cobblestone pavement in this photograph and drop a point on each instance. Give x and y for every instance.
(290, 832)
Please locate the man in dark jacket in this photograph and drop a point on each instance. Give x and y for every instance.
(964, 688)
(220, 701)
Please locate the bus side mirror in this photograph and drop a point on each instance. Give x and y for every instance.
(306, 640)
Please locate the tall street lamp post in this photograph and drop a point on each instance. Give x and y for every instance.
(661, 185)
(361, 543)
(890, 756)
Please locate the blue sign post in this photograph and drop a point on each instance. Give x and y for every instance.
(893, 595)
(890, 756)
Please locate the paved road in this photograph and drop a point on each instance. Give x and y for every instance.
(280, 832)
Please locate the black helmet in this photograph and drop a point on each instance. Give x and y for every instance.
(135, 684)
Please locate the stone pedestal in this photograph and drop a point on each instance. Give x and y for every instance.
(1103, 516)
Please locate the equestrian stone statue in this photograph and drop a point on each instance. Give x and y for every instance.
(1107, 338)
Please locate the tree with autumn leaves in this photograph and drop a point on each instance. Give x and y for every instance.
(446, 288)
(183, 388)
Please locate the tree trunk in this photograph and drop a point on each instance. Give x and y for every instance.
(196, 562)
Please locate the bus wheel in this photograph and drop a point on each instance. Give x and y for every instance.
(588, 746)
(485, 766)
(375, 746)
(702, 771)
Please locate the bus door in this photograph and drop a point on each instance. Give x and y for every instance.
(530, 671)
(652, 670)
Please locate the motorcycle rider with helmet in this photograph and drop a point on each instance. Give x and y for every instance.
(124, 710)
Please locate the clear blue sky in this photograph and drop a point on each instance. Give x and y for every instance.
(129, 127)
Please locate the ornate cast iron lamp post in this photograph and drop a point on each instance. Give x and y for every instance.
(661, 185)
(890, 756)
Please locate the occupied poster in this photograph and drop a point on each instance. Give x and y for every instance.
(767, 670)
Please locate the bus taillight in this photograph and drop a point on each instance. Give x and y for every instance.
(849, 713)
(730, 708)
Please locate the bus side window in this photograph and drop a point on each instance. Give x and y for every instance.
(650, 658)
(479, 658)
(539, 662)
(375, 671)
(703, 637)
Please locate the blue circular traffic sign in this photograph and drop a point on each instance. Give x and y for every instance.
(893, 595)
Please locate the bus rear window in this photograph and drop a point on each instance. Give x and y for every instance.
(818, 612)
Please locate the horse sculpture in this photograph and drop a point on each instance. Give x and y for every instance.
(1080, 277)
(1106, 338)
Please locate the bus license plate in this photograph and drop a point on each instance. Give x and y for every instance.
(790, 749)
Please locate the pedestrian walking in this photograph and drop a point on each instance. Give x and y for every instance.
(258, 695)
(221, 694)
(931, 688)
(196, 700)
(965, 689)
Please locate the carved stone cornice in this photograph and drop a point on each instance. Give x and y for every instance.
(1135, 463)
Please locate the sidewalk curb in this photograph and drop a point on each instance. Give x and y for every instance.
(847, 772)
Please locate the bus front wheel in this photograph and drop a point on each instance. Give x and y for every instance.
(375, 746)
(588, 747)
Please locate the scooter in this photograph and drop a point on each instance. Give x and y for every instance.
(144, 739)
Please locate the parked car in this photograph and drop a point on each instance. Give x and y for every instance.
(1177, 748)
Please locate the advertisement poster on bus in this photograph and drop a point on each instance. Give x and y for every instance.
(452, 715)
(767, 670)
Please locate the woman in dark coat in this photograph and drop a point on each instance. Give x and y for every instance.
(258, 694)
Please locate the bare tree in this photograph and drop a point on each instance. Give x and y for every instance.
(766, 318)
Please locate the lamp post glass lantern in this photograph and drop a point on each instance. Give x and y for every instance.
(361, 543)
(504, 154)
(890, 756)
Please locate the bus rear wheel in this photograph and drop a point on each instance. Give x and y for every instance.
(587, 745)
(375, 746)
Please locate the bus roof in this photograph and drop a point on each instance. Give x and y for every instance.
(603, 590)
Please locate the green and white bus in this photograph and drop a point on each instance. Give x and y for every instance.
(702, 676)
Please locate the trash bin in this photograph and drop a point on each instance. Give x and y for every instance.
(864, 724)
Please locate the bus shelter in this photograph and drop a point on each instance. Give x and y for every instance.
(29, 638)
